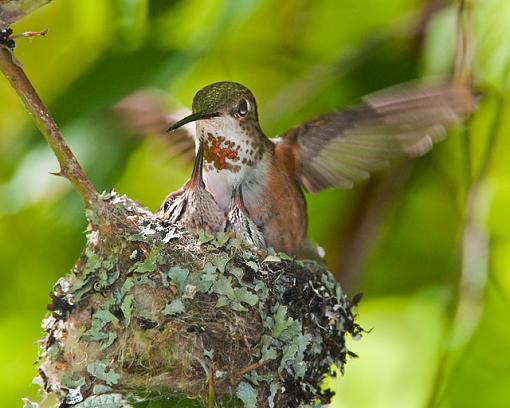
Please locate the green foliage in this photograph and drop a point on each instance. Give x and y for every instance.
(311, 57)
(177, 276)
(104, 401)
(101, 371)
(175, 307)
(247, 394)
(100, 319)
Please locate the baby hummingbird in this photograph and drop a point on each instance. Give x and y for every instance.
(192, 206)
(240, 223)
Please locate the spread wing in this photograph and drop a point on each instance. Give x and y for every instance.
(143, 113)
(341, 148)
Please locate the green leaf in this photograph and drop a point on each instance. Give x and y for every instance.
(244, 295)
(291, 331)
(204, 237)
(126, 287)
(247, 394)
(149, 264)
(273, 390)
(289, 353)
(238, 307)
(52, 351)
(104, 401)
(174, 308)
(268, 352)
(144, 266)
(220, 262)
(99, 370)
(261, 289)
(301, 342)
(284, 256)
(145, 280)
(93, 263)
(281, 323)
(272, 258)
(105, 316)
(177, 276)
(127, 309)
(29, 404)
(112, 336)
(222, 301)
(206, 278)
(237, 272)
(73, 381)
(255, 378)
(209, 269)
(99, 320)
(221, 239)
(223, 286)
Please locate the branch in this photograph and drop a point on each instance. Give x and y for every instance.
(69, 166)
(12, 10)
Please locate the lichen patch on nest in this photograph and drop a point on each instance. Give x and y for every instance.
(149, 309)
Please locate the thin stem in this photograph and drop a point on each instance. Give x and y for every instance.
(211, 394)
(69, 166)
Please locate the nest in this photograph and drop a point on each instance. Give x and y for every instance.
(150, 311)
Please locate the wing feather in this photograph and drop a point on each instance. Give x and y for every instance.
(143, 113)
(342, 148)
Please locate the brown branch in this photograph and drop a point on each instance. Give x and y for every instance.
(248, 369)
(464, 45)
(13, 10)
(69, 166)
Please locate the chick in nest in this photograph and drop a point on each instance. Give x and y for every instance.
(192, 206)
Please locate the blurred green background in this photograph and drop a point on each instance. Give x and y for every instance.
(427, 242)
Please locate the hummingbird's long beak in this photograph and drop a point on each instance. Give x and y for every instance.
(191, 118)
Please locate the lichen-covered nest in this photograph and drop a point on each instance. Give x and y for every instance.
(151, 311)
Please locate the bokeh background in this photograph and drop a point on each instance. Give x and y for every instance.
(427, 242)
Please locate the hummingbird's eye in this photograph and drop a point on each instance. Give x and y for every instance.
(242, 109)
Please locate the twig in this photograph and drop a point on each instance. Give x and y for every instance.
(13, 10)
(251, 367)
(464, 45)
(211, 394)
(28, 34)
(69, 166)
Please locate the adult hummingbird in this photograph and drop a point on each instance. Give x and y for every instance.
(192, 206)
(332, 151)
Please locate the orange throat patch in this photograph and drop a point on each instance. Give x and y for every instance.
(216, 152)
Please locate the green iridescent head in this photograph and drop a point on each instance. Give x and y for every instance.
(222, 99)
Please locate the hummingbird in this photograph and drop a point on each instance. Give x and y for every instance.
(334, 150)
(192, 206)
(240, 223)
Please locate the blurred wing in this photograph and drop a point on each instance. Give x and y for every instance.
(143, 113)
(341, 148)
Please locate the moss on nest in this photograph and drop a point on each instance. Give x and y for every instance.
(151, 311)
